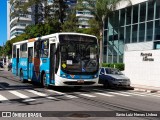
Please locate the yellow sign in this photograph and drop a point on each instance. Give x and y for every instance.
(64, 65)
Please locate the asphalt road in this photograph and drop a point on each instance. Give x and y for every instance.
(66, 103)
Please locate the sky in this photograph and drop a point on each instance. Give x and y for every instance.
(3, 22)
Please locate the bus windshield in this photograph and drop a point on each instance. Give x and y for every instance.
(79, 54)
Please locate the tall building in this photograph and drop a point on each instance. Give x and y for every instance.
(132, 37)
(132, 27)
(17, 25)
(83, 17)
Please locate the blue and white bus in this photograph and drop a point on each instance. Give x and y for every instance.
(60, 59)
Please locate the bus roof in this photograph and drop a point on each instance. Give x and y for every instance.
(65, 33)
(52, 35)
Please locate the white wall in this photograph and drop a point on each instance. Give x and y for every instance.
(139, 46)
(143, 72)
(125, 3)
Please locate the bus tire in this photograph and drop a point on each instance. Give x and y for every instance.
(106, 85)
(21, 76)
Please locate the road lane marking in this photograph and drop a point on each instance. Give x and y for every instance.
(87, 95)
(18, 94)
(57, 92)
(109, 91)
(2, 98)
(37, 93)
(118, 93)
(148, 94)
(61, 93)
(132, 93)
(71, 96)
(52, 98)
(104, 94)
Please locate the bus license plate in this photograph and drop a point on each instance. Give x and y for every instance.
(80, 81)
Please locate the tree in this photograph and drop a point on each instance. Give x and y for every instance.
(41, 29)
(101, 9)
(70, 25)
(42, 11)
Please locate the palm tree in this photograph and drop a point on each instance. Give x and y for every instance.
(101, 9)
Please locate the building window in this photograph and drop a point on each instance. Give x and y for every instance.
(115, 36)
(128, 32)
(134, 33)
(110, 34)
(142, 12)
(115, 54)
(122, 17)
(116, 18)
(157, 9)
(110, 48)
(150, 9)
(157, 30)
(157, 45)
(121, 35)
(128, 19)
(105, 54)
(105, 37)
(135, 13)
(149, 31)
(141, 32)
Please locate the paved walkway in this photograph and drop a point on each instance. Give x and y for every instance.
(144, 88)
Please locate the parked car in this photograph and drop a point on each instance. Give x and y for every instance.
(1, 65)
(9, 66)
(111, 77)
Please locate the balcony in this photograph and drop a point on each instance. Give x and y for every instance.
(15, 19)
(84, 15)
(18, 27)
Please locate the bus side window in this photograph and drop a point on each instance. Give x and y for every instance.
(14, 51)
(23, 50)
(57, 59)
(36, 49)
(44, 48)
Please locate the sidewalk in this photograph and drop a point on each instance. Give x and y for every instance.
(150, 89)
(5, 67)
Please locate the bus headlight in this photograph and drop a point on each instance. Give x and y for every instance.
(95, 76)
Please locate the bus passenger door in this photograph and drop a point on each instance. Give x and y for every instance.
(17, 62)
(30, 64)
(52, 61)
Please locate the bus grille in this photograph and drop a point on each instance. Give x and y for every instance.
(76, 83)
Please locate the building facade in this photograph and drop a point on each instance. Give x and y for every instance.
(130, 28)
(132, 37)
(83, 17)
(17, 25)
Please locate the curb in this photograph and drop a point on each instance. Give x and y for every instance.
(146, 90)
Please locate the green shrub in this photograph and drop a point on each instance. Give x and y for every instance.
(119, 66)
